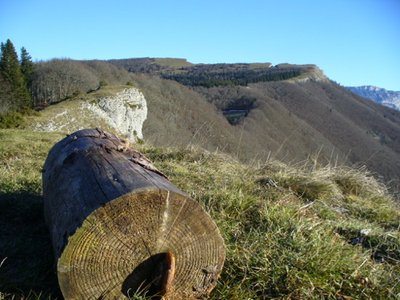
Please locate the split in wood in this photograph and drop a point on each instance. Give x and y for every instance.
(119, 226)
(153, 277)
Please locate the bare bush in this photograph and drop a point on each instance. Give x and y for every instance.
(58, 79)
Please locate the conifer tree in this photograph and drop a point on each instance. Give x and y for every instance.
(11, 71)
(5, 96)
(9, 63)
(26, 66)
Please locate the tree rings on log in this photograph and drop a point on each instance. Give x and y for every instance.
(116, 238)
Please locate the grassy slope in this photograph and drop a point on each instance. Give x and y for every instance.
(291, 233)
(180, 116)
(69, 116)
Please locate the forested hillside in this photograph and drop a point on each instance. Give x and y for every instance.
(252, 111)
(293, 116)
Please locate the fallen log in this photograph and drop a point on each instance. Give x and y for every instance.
(119, 227)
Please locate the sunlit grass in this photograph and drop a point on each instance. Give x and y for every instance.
(290, 232)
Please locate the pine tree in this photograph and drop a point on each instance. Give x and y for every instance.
(26, 66)
(9, 63)
(5, 96)
(11, 72)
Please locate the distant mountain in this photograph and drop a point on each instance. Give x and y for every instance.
(388, 98)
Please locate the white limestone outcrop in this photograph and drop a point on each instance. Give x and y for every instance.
(126, 111)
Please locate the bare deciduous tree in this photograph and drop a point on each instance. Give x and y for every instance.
(58, 79)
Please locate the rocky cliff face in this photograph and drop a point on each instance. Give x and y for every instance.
(125, 112)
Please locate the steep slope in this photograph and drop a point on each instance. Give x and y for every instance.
(257, 111)
(366, 133)
(388, 98)
(178, 116)
(298, 115)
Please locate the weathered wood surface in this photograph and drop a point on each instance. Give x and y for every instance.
(118, 225)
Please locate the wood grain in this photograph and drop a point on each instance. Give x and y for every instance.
(119, 226)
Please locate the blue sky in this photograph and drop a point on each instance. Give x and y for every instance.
(355, 42)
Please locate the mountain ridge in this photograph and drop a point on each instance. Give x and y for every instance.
(379, 95)
(252, 111)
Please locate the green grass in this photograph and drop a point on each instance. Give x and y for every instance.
(27, 269)
(16, 119)
(294, 240)
(290, 232)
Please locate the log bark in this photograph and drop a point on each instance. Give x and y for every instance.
(118, 226)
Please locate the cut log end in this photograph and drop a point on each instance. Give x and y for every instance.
(120, 228)
(153, 242)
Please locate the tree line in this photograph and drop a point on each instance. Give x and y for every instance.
(208, 77)
(59, 79)
(213, 75)
(25, 85)
(15, 79)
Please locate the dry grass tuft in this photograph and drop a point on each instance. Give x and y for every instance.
(291, 232)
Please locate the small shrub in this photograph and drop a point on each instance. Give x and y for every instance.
(12, 120)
